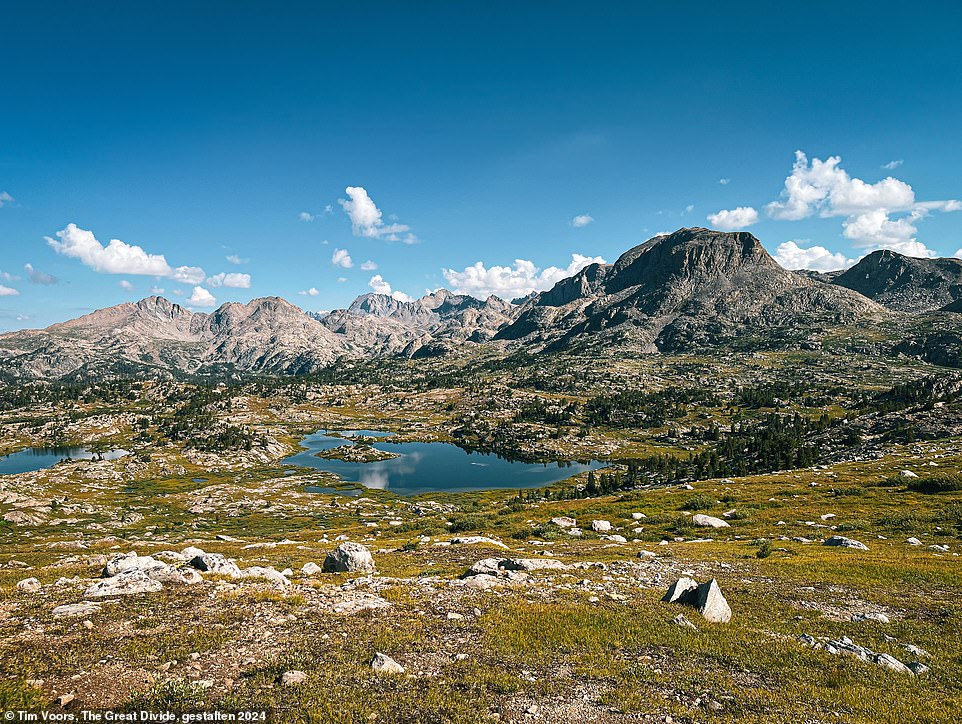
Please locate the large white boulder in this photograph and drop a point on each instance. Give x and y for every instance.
(349, 557)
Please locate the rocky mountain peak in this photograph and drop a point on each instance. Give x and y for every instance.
(905, 283)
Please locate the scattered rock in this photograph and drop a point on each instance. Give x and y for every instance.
(842, 542)
(914, 542)
(846, 647)
(349, 557)
(477, 540)
(384, 664)
(907, 474)
(311, 569)
(682, 620)
(564, 522)
(871, 616)
(601, 526)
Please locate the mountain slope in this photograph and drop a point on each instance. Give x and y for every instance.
(435, 324)
(686, 290)
(265, 335)
(905, 283)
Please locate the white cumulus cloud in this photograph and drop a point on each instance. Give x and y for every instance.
(730, 219)
(367, 219)
(5, 198)
(881, 215)
(305, 216)
(510, 282)
(824, 187)
(368, 266)
(874, 229)
(201, 298)
(125, 285)
(235, 259)
(233, 279)
(792, 256)
(8, 291)
(118, 257)
(312, 292)
(341, 258)
(380, 286)
(581, 220)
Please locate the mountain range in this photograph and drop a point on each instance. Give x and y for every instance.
(691, 290)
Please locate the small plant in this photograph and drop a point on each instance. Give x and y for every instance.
(936, 484)
(764, 549)
(699, 502)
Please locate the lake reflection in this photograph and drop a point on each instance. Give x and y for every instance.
(427, 467)
(40, 458)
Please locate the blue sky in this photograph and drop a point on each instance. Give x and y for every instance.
(477, 131)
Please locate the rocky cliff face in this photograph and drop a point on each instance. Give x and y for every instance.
(905, 283)
(691, 289)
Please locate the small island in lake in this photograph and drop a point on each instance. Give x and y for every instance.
(357, 453)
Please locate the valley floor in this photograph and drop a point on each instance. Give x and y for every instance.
(566, 628)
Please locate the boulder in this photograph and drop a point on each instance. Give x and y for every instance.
(266, 572)
(289, 678)
(311, 569)
(564, 521)
(710, 602)
(601, 526)
(129, 561)
(349, 557)
(215, 563)
(28, 585)
(841, 541)
(84, 608)
(678, 589)
(708, 521)
(126, 583)
(707, 598)
(384, 664)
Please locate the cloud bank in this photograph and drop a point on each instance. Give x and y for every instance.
(510, 282)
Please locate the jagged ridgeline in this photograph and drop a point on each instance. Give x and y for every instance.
(693, 290)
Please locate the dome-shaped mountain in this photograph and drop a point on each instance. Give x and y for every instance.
(692, 288)
(905, 283)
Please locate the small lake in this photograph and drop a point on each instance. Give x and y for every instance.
(40, 458)
(429, 467)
